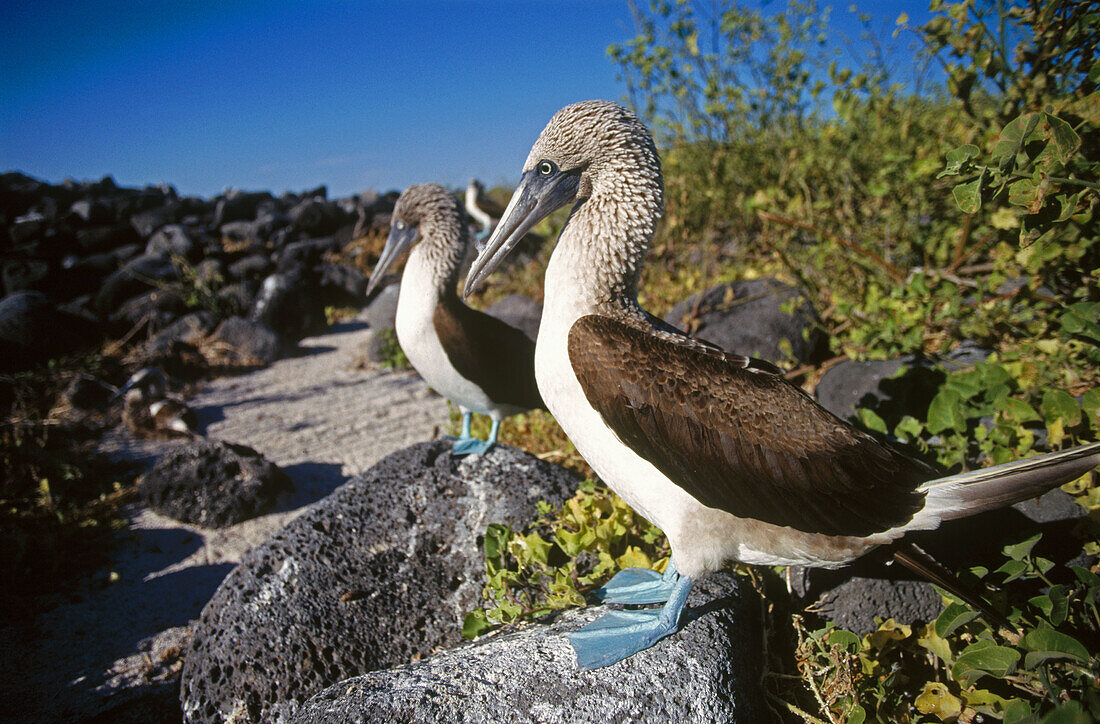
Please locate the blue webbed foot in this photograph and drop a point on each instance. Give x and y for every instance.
(639, 585)
(620, 634)
(470, 446)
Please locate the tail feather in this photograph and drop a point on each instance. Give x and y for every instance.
(917, 560)
(977, 491)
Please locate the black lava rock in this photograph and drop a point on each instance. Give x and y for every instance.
(378, 573)
(519, 311)
(249, 341)
(238, 205)
(170, 240)
(343, 285)
(749, 317)
(135, 277)
(33, 330)
(290, 304)
(213, 484)
(709, 671)
(105, 238)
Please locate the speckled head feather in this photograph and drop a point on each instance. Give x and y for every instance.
(441, 225)
(607, 141)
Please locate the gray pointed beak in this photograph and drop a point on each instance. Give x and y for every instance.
(535, 198)
(123, 390)
(398, 241)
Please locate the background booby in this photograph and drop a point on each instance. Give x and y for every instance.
(148, 410)
(477, 361)
(729, 459)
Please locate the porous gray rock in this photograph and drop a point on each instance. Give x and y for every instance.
(891, 388)
(751, 317)
(378, 573)
(381, 312)
(213, 484)
(710, 671)
(520, 311)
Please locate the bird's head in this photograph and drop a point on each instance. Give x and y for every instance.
(418, 209)
(587, 147)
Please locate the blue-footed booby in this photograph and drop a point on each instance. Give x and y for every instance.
(148, 411)
(729, 459)
(475, 360)
(482, 210)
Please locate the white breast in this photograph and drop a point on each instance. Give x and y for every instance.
(416, 333)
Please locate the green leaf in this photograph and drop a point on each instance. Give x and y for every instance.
(1012, 138)
(1018, 711)
(496, 539)
(1021, 550)
(908, 428)
(1060, 405)
(1065, 139)
(1081, 319)
(955, 615)
(857, 715)
(983, 658)
(1016, 410)
(1045, 643)
(846, 639)
(1043, 603)
(969, 195)
(1069, 712)
(958, 158)
(941, 647)
(945, 412)
(1012, 570)
(935, 699)
(871, 420)
(1090, 403)
(474, 624)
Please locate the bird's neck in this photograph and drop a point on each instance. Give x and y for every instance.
(474, 210)
(437, 259)
(598, 259)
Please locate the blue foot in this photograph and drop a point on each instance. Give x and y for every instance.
(620, 634)
(639, 585)
(470, 446)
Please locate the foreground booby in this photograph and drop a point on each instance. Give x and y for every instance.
(148, 411)
(477, 361)
(730, 460)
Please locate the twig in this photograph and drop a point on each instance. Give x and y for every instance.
(893, 270)
(960, 254)
(794, 709)
(804, 369)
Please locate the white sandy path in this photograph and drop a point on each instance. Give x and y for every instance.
(319, 416)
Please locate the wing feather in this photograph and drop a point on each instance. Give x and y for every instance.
(739, 438)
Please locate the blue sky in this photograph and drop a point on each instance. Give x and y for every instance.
(288, 96)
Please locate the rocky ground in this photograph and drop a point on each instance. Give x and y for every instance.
(115, 641)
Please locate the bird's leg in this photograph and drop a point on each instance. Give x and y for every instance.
(493, 432)
(639, 585)
(469, 445)
(619, 634)
(467, 419)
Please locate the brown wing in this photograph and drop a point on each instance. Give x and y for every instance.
(496, 357)
(746, 442)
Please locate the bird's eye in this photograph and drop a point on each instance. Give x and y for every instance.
(400, 224)
(545, 168)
